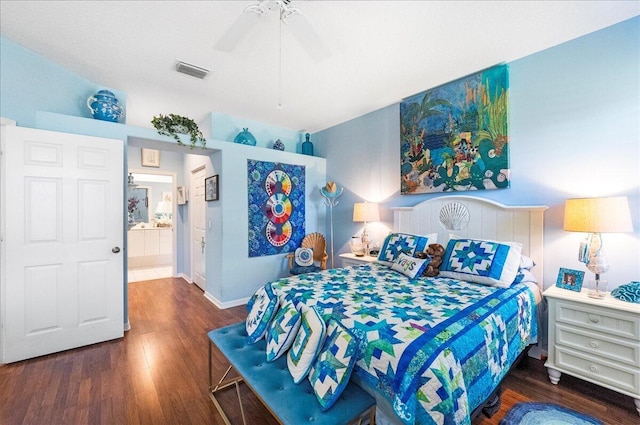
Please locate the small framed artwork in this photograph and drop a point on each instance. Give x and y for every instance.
(150, 158)
(211, 188)
(570, 279)
(181, 195)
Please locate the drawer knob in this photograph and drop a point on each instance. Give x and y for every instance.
(593, 344)
(593, 368)
(593, 318)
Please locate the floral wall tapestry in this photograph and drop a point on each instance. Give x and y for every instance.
(455, 137)
(276, 207)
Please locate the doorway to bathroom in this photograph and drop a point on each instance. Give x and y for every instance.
(151, 250)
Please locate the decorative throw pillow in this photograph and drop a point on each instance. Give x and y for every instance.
(331, 371)
(264, 306)
(629, 292)
(395, 243)
(282, 330)
(409, 266)
(307, 344)
(524, 275)
(304, 257)
(526, 262)
(482, 261)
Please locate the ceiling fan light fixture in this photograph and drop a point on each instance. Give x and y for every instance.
(192, 70)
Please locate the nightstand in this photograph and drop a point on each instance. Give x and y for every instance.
(349, 259)
(594, 340)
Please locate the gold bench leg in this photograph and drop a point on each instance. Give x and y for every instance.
(221, 385)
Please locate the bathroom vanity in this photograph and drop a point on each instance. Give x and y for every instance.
(149, 246)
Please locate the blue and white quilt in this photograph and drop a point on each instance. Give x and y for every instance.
(434, 347)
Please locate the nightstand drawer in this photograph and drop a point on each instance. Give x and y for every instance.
(620, 350)
(600, 319)
(600, 371)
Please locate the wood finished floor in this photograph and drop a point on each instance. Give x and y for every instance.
(157, 373)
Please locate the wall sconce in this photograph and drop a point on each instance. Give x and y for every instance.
(365, 212)
(596, 216)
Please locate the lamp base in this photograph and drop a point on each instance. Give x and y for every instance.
(597, 289)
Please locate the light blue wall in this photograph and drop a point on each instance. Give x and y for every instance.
(27, 79)
(574, 132)
(40, 94)
(221, 126)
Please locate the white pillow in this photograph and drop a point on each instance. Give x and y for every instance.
(487, 262)
(307, 344)
(304, 257)
(410, 266)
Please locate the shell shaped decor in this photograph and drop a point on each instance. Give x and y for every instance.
(454, 216)
(317, 242)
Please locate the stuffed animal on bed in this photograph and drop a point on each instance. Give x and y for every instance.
(435, 252)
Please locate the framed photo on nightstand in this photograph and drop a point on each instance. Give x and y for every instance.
(570, 279)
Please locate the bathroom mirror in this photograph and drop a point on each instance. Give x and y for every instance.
(137, 204)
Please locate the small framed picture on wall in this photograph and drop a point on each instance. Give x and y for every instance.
(150, 158)
(211, 190)
(182, 195)
(570, 279)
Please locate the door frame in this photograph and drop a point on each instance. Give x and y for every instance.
(174, 214)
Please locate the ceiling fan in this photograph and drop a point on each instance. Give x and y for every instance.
(290, 16)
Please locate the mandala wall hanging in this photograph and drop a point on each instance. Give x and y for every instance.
(276, 207)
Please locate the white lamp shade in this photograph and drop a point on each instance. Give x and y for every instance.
(164, 207)
(366, 212)
(598, 215)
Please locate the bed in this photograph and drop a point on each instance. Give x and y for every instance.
(433, 350)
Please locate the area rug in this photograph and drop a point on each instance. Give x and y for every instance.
(545, 413)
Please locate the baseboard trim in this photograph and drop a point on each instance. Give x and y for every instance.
(127, 326)
(184, 276)
(227, 304)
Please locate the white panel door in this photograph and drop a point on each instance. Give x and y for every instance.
(62, 278)
(197, 210)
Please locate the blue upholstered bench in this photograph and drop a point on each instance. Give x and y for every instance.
(290, 403)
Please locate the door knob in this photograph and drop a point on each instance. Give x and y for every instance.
(115, 249)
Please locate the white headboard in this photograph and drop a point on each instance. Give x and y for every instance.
(484, 218)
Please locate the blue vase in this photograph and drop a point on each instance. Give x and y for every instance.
(245, 138)
(307, 146)
(104, 106)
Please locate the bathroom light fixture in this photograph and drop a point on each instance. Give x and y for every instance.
(192, 70)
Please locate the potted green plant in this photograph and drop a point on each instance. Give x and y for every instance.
(173, 125)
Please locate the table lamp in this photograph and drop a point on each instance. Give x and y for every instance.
(596, 216)
(163, 211)
(365, 212)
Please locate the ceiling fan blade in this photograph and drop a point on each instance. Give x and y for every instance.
(303, 31)
(242, 26)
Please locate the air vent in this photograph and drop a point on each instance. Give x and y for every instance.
(194, 71)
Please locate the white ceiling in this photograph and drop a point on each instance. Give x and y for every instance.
(381, 51)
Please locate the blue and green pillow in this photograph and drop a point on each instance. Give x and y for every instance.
(282, 330)
(264, 304)
(307, 343)
(331, 371)
(396, 243)
(482, 261)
